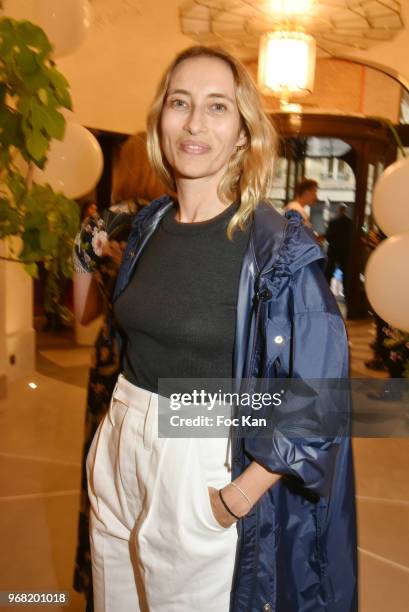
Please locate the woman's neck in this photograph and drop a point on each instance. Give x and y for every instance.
(198, 199)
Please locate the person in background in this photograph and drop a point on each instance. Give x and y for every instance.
(338, 236)
(134, 183)
(305, 196)
(89, 209)
(100, 244)
(56, 293)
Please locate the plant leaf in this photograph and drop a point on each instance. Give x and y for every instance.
(37, 145)
(48, 241)
(60, 86)
(10, 128)
(7, 37)
(17, 186)
(57, 79)
(43, 96)
(32, 269)
(47, 119)
(32, 35)
(25, 61)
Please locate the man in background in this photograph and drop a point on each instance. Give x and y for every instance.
(305, 196)
(338, 237)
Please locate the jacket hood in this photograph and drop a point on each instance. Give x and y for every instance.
(282, 242)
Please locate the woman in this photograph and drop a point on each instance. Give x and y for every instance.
(99, 249)
(216, 284)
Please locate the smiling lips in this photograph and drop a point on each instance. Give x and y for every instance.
(193, 147)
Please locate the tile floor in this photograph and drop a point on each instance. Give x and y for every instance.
(41, 437)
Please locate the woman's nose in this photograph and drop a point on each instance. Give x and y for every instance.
(195, 121)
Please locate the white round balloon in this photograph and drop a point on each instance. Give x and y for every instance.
(387, 280)
(66, 22)
(74, 164)
(390, 202)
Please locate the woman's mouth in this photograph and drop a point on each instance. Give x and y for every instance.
(194, 148)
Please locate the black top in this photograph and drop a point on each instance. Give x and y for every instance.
(178, 311)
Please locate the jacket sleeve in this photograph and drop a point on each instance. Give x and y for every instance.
(95, 231)
(89, 241)
(313, 420)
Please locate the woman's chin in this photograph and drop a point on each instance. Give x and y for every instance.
(195, 172)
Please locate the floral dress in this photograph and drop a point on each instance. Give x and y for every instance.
(105, 362)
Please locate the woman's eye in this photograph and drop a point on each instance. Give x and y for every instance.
(178, 103)
(219, 107)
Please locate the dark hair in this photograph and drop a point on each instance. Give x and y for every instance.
(305, 185)
(84, 207)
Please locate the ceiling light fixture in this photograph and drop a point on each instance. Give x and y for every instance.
(286, 64)
(290, 7)
(290, 31)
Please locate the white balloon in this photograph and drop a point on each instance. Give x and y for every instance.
(66, 22)
(74, 164)
(387, 280)
(390, 202)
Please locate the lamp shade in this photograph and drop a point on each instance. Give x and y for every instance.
(286, 64)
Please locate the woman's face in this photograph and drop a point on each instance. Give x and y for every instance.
(200, 123)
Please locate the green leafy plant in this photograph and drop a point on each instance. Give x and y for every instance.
(32, 91)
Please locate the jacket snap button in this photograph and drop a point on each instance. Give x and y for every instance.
(278, 340)
(266, 607)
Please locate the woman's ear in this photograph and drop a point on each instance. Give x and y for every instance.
(242, 140)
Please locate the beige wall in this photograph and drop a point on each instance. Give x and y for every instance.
(353, 88)
(17, 336)
(346, 87)
(113, 75)
(3, 351)
(381, 95)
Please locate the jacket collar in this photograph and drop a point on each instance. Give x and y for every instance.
(143, 226)
(275, 240)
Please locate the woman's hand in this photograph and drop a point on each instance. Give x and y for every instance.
(219, 511)
(87, 298)
(233, 500)
(255, 481)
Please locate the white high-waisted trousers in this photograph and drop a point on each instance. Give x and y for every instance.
(155, 543)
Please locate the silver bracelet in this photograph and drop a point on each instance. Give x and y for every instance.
(233, 484)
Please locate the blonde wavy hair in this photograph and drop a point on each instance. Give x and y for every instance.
(249, 175)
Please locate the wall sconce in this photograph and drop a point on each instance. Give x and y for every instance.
(286, 65)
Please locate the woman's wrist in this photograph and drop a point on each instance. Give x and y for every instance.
(241, 495)
(221, 514)
(226, 507)
(236, 499)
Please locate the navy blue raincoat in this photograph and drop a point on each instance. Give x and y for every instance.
(297, 547)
